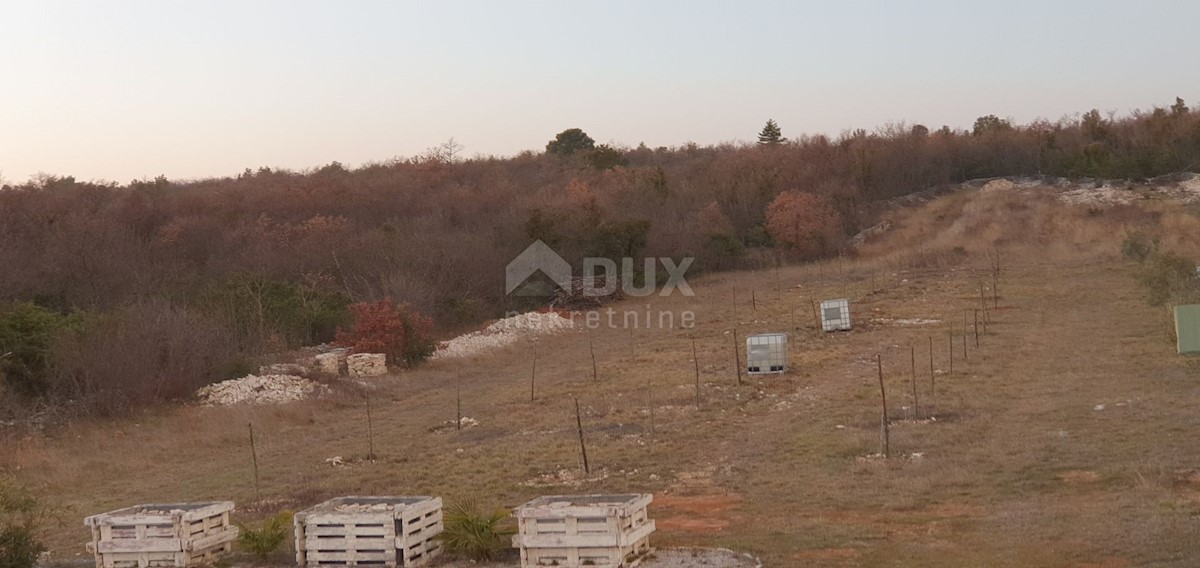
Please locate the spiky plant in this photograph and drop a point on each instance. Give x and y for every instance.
(471, 532)
(267, 538)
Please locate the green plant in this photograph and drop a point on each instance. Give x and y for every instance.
(1138, 247)
(771, 134)
(19, 546)
(570, 141)
(19, 513)
(267, 538)
(257, 307)
(471, 532)
(27, 334)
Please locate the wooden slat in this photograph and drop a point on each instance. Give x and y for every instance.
(376, 517)
(214, 540)
(350, 543)
(144, 545)
(316, 531)
(352, 556)
(327, 536)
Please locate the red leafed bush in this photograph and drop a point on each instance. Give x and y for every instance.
(397, 330)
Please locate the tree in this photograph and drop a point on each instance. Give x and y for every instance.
(771, 134)
(990, 124)
(445, 153)
(1180, 108)
(1093, 125)
(801, 221)
(569, 142)
(605, 157)
(27, 334)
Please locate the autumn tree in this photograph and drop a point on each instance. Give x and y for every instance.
(771, 134)
(802, 222)
(398, 331)
(569, 142)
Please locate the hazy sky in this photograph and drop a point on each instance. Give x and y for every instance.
(124, 90)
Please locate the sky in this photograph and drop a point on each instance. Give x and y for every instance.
(127, 90)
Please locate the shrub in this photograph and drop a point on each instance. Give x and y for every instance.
(398, 331)
(27, 333)
(472, 533)
(19, 514)
(19, 546)
(1138, 247)
(266, 539)
(724, 249)
(146, 353)
(259, 308)
(1169, 277)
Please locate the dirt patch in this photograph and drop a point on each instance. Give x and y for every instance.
(695, 513)
(827, 555)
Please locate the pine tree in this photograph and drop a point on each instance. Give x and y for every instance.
(570, 141)
(771, 135)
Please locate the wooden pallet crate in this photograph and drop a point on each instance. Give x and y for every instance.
(162, 535)
(584, 530)
(369, 531)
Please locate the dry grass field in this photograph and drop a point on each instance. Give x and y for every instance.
(1066, 438)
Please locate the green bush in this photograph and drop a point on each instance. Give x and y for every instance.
(266, 539)
(1168, 277)
(27, 334)
(1138, 247)
(725, 249)
(258, 308)
(472, 533)
(19, 514)
(19, 546)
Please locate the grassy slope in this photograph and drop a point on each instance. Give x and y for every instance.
(1020, 469)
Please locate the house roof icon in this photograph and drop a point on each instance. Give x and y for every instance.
(537, 257)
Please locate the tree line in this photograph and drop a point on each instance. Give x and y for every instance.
(204, 275)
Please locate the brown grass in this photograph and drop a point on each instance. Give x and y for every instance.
(1018, 469)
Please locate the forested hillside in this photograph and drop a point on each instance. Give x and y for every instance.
(180, 283)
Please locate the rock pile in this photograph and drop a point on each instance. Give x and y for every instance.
(998, 185)
(1102, 196)
(295, 369)
(862, 237)
(331, 363)
(264, 389)
(366, 364)
(503, 332)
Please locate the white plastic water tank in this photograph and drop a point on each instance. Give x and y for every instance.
(766, 353)
(835, 315)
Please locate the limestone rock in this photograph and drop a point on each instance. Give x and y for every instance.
(255, 389)
(367, 364)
